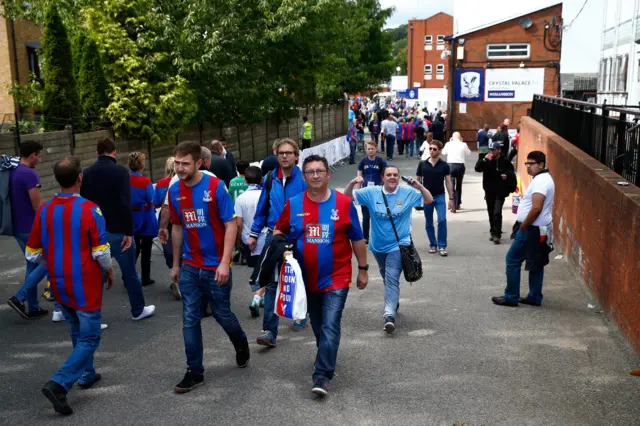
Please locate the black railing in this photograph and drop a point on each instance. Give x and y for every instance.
(609, 134)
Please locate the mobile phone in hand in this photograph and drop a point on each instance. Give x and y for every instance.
(406, 179)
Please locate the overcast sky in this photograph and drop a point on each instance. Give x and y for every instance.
(420, 9)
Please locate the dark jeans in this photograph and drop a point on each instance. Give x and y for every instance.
(401, 143)
(391, 141)
(494, 209)
(457, 175)
(352, 151)
(512, 154)
(366, 222)
(306, 143)
(325, 311)
(127, 262)
(198, 286)
(515, 256)
(374, 136)
(144, 244)
(85, 335)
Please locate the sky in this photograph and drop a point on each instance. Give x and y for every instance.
(420, 9)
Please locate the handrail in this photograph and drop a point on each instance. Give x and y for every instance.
(557, 99)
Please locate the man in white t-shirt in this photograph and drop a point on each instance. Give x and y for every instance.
(533, 235)
(246, 205)
(456, 152)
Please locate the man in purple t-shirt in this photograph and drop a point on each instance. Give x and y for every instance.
(24, 191)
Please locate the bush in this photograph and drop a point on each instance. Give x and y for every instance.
(92, 86)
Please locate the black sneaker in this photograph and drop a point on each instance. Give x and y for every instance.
(236, 256)
(148, 283)
(57, 395)
(503, 302)
(530, 302)
(320, 387)
(243, 354)
(389, 324)
(37, 314)
(18, 306)
(87, 385)
(191, 381)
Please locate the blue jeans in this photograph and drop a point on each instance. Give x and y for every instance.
(440, 205)
(127, 262)
(33, 275)
(390, 265)
(325, 310)
(391, 140)
(411, 146)
(515, 256)
(199, 286)
(352, 151)
(85, 335)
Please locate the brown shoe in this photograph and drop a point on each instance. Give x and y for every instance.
(635, 372)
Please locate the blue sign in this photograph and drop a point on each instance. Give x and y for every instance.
(408, 94)
(501, 94)
(469, 85)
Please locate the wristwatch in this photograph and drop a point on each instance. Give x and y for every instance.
(364, 268)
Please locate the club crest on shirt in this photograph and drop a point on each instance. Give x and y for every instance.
(206, 197)
(335, 214)
(98, 211)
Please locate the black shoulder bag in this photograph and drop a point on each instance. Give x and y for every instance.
(411, 263)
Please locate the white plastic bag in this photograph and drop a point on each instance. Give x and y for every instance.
(291, 295)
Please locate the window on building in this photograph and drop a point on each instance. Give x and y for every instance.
(427, 69)
(638, 70)
(428, 39)
(622, 73)
(34, 62)
(440, 69)
(440, 39)
(602, 75)
(508, 51)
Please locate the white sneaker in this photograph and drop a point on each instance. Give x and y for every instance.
(103, 326)
(146, 312)
(58, 316)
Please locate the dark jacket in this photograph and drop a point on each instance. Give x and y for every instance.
(491, 170)
(222, 169)
(232, 162)
(537, 252)
(503, 138)
(271, 260)
(437, 128)
(269, 164)
(107, 184)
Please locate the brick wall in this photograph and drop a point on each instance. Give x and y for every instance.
(247, 142)
(596, 223)
(475, 56)
(6, 101)
(418, 56)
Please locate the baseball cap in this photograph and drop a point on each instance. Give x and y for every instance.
(495, 145)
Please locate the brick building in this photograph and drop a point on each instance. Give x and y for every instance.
(426, 69)
(499, 67)
(19, 59)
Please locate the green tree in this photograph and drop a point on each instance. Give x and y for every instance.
(60, 99)
(92, 86)
(77, 49)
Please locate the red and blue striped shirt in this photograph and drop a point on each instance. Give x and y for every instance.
(202, 210)
(69, 233)
(160, 192)
(145, 222)
(323, 233)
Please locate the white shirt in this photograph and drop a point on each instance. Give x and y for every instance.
(246, 205)
(175, 178)
(456, 151)
(389, 127)
(540, 184)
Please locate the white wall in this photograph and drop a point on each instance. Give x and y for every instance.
(581, 41)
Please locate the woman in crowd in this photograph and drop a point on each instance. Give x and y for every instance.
(145, 222)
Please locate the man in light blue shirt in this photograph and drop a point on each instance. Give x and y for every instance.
(352, 116)
(383, 243)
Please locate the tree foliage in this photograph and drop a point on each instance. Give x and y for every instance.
(171, 62)
(60, 97)
(92, 86)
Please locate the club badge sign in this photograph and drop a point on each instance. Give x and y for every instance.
(513, 84)
(469, 85)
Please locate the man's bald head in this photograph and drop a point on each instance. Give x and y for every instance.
(456, 136)
(216, 147)
(205, 156)
(67, 171)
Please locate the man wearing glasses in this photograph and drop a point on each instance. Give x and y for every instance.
(278, 187)
(533, 235)
(434, 173)
(324, 226)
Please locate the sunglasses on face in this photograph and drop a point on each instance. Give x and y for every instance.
(530, 163)
(434, 149)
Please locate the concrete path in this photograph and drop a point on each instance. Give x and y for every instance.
(455, 357)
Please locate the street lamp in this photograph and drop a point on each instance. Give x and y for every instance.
(398, 70)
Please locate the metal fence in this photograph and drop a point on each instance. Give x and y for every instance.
(610, 134)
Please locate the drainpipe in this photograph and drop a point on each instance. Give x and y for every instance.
(17, 106)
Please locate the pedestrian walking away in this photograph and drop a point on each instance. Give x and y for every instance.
(24, 193)
(497, 176)
(108, 185)
(76, 272)
(203, 234)
(435, 174)
(483, 141)
(456, 152)
(145, 222)
(305, 133)
(370, 169)
(384, 245)
(389, 129)
(278, 187)
(323, 224)
(352, 138)
(532, 235)
(220, 167)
